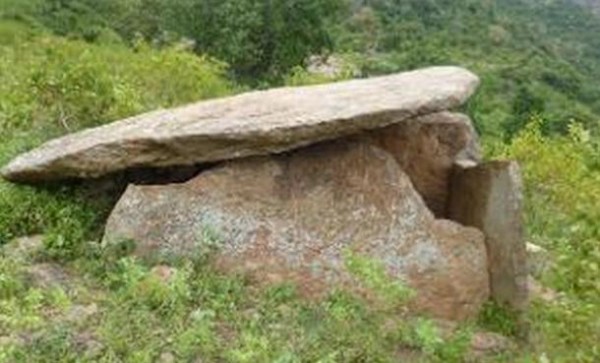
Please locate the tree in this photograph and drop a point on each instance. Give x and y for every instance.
(257, 37)
(526, 105)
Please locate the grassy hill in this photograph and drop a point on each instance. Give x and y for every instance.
(535, 57)
(70, 64)
(594, 5)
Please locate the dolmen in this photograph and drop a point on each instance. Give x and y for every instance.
(295, 180)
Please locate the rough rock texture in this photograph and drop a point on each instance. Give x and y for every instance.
(537, 291)
(23, 248)
(292, 217)
(487, 345)
(427, 148)
(81, 314)
(256, 123)
(539, 260)
(49, 275)
(489, 197)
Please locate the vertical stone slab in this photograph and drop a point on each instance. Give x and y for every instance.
(489, 197)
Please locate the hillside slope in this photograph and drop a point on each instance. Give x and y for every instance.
(87, 62)
(534, 57)
(591, 4)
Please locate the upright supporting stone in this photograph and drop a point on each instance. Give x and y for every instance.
(489, 197)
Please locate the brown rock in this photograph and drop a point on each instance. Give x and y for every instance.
(163, 273)
(488, 344)
(255, 123)
(489, 197)
(292, 217)
(541, 292)
(8, 341)
(80, 314)
(539, 260)
(87, 344)
(166, 357)
(48, 275)
(427, 148)
(24, 248)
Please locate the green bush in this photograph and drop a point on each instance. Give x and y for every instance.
(529, 55)
(258, 38)
(64, 216)
(50, 86)
(49, 82)
(562, 180)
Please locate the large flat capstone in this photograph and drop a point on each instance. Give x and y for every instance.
(295, 216)
(256, 123)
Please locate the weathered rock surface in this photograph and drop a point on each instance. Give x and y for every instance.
(537, 291)
(80, 314)
(539, 260)
(489, 197)
(23, 248)
(292, 217)
(487, 345)
(48, 275)
(427, 148)
(256, 123)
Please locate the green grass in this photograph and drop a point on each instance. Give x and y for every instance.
(200, 314)
(562, 176)
(50, 86)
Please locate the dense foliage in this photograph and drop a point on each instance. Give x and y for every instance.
(258, 38)
(70, 64)
(50, 86)
(562, 177)
(534, 57)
